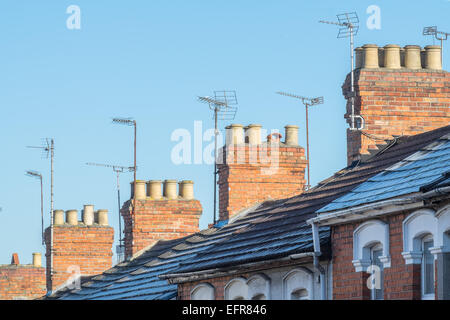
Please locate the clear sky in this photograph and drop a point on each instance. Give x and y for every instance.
(150, 60)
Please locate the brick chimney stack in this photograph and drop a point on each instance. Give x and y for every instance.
(399, 91)
(80, 248)
(253, 170)
(159, 215)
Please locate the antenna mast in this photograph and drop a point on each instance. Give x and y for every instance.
(307, 102)
(35, 174)
(49, 149)
(349, 24)
(118, 170)
(223, 105)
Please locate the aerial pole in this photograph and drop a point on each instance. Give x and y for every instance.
(49, 149)
(35, 174)
(118, 170)
(307, 102)
(222, 106)
(349, 23)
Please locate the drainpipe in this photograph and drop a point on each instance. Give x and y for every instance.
(317, 266)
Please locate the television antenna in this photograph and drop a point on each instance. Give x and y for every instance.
(439, 35)
(118, 170)
(349, 26)
(308, 102)
(224, 107)
(37, 175)
(48, 151)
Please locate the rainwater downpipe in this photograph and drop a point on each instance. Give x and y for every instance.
(317, 266)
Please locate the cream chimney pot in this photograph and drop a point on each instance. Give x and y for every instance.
(37, 260)
(58, 217)
(433, 57)
(140, 190)
(237, 134)
(412, 57)
(170, 189)
(254, 133)
(291, 134)
(370, 56)
(72, 217)
(154, 189)
(102, 217)
(88, 214)
(186, 189)
(392, 56)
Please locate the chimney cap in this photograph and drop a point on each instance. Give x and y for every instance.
(254, 125)
(370, 45)
(291, 126)
(236, 125)
(412, 46)
(170, 180)
(433, 47)
(391, 46)
(186, 181)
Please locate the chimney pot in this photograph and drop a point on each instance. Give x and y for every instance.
(140, 190)
(370, 56)
(37, 260)
(412, 57)
(237, 134)
(102, 217)
(186, 189)
(15, 259)
(359, 57)
(170, 189)
(72, 217)
(88, 214)
(433, 57)
(154, 189)
(291, 135)
(392, 56)
(253, 131)
(58, 217)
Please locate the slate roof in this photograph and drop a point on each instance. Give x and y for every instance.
(407, 176)
(270, 230)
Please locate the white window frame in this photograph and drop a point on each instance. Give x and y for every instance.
(429, 296)
(367, 235)
(418, 224)
(377, 247)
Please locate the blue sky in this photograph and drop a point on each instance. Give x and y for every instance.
(150, 60)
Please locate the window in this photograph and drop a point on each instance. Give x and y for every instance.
(298, 284)
(203, 291)
(259, 287)
(371, 234)
(236, 289)
(427, 268)
(377, 283)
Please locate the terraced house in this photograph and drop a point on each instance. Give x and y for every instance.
(377, 229)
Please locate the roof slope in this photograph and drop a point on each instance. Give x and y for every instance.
(407, 176)
(271, 230)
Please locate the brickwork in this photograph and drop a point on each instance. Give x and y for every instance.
(401, 281)
(251, 174)
(158, 220)
(88, 248)
(21, 282)
(396, 102)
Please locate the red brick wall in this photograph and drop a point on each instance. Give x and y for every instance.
(158, 219)
(245, 179)
(21, 282)
(397, 102)
(401, 281)
(86, 247)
